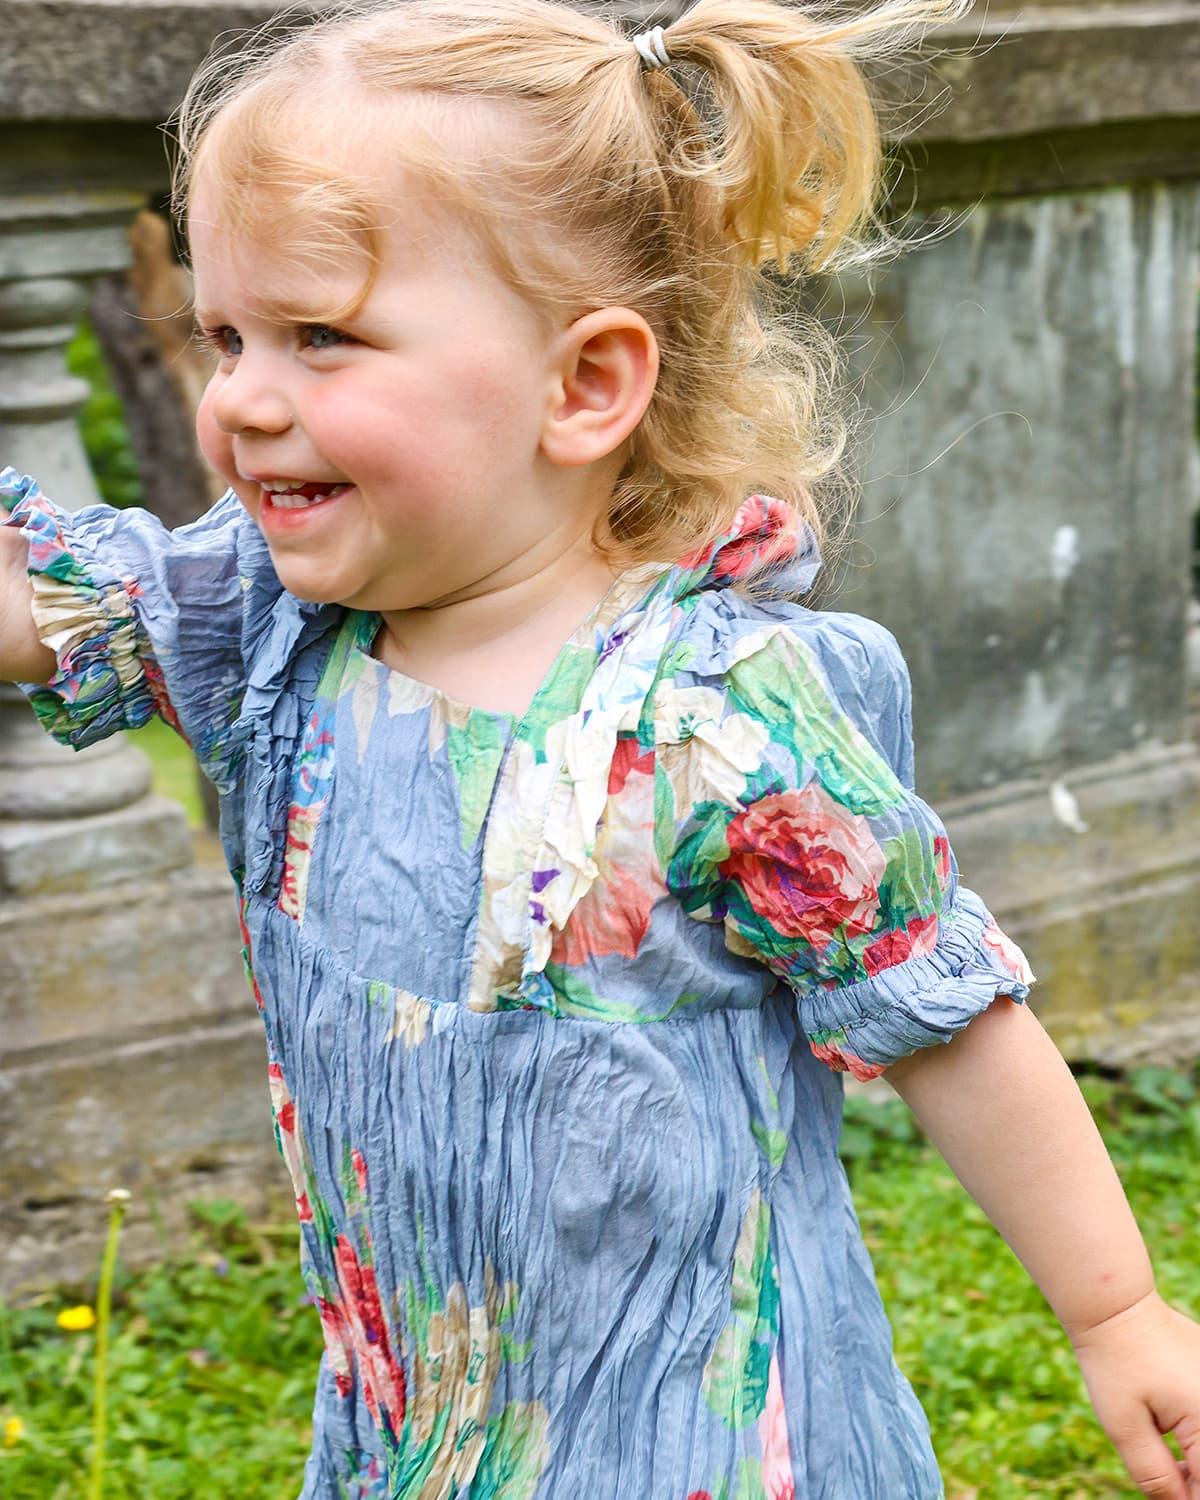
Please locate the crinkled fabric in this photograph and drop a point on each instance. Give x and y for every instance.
(556, 1006)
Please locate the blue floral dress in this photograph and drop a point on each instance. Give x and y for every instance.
(556, 1007)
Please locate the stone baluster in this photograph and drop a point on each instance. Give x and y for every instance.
(68, 820)
(123, 1013)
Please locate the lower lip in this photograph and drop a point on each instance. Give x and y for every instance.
(288, 519)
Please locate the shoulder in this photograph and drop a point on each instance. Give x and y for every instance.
(725, 626)
(802, 674)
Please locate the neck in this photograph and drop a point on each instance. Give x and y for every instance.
(495, 644)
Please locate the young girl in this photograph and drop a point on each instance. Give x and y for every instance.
(572, 878)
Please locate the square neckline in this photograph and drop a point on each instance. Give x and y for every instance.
(611, 605)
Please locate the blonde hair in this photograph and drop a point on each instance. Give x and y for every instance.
(593, 181)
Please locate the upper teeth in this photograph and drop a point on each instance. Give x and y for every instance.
(275, 485)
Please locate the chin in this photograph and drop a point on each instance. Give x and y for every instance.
(310, 590)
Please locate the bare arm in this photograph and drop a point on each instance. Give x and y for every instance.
(1001, 1106)
(23, 658)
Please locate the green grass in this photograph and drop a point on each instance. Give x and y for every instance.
(172, 767)
(102, 422)
(212, 1364)
(993, 1370)
(214, 1353)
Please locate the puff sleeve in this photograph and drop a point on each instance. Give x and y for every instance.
(142, 620)
(801, 832)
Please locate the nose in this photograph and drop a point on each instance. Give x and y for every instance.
(250, 399)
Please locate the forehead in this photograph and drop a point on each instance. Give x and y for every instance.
(344, 158)
(280, 196)
(286, 264)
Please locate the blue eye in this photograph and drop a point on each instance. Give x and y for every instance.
(226, 341)
(321, 336)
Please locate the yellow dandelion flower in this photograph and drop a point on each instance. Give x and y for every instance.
(76, 1319)
(14, 1431)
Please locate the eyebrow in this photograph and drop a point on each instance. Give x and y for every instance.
(271, 309)
(282, 312)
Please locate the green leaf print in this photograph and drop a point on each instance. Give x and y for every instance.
(475, 749)
(353, 1176)
(577, 998)
(559, 697)
(341, 658)
(910, 886)
(698, 854)
(750, 1485)
(735, 1377)
(841, 960)
(772, 1143)
(514, 1453)
(664, 816)
(679, 655)
(417, 1455)
(780, 685)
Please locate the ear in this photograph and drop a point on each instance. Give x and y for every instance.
(604, 372)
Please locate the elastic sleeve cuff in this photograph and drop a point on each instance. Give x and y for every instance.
(85, 615)
(865, 1027)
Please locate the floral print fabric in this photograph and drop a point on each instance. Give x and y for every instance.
(556, 1007)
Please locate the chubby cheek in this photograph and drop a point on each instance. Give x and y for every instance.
(216, 445)
(217, 448)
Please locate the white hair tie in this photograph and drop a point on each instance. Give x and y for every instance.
(652, 49)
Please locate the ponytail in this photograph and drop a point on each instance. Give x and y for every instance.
(796, 155)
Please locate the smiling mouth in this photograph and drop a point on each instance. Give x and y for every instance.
(300, 496)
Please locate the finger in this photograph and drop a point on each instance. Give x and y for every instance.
(1154, 1468)
(1187, 1435)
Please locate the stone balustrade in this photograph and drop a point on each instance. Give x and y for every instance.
(1029, 492)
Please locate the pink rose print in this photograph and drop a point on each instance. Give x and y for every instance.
(337, 1344)
(382, 1376)
(777, 1476)
(1007, 952)
(158, 691)
(914, 941)
(247, 955)
(285, 1121)
(627, 757)
(614, 914)
(941, 855)
(360, 1169)
(843, 1061)
(765, 531)
(807, 865)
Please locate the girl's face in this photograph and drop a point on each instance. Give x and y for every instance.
(391, 461)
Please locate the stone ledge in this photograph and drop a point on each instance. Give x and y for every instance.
(1106, 914)
(1050, 66)
(77, 854)
(1141, 811)
(115, 1118)
(134, 959)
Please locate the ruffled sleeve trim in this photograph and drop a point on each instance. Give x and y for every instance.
(104, 677)
(864, 1027)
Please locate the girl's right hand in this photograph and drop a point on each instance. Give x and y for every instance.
(23, 658)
